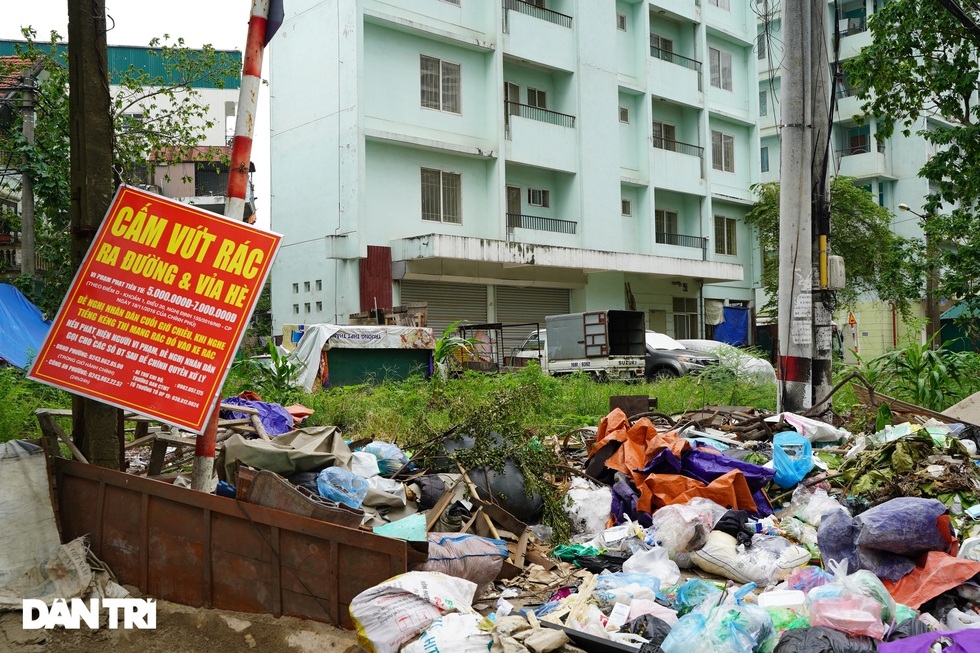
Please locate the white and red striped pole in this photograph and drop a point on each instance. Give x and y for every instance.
(241, 155)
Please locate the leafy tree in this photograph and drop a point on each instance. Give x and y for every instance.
(876, 260)
(158, 120)
(924, 63)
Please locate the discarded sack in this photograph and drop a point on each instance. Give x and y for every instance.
(477, 559)
(452, 633)
(388, 615)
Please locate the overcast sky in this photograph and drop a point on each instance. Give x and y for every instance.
(222, 23)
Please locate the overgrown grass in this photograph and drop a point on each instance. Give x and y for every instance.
(19, 399)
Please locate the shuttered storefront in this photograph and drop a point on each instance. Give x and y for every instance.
(448, 302)
(522, 305)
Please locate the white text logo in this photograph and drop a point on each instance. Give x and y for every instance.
(136, 613)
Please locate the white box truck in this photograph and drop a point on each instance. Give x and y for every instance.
(609, 345)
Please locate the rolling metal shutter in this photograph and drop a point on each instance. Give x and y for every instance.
(515, 305)
(523, 305)
(448, 302)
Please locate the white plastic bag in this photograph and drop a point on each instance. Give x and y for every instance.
(654, 562)
(588, 507)
(364, 464)
(388, 615)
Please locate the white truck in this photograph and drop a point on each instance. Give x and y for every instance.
(609, 345)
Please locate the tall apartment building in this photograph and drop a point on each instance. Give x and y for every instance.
(504, 160)
(888, 168)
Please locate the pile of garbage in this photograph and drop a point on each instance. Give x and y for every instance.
(689, 536)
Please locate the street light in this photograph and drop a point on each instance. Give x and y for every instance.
(932, 277)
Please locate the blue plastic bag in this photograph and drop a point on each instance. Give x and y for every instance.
(792, 458)
(342, 486)
(390, 457)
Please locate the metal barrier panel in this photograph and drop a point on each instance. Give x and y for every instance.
(199, 549)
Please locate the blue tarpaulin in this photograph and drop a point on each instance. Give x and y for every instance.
(735, 329)
(22, 329)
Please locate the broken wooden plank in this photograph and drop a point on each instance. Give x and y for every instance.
(50, 428)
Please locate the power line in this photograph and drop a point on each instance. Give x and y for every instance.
(962, 16)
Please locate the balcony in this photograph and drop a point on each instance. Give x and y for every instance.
(677, 59)
(537, 223)
(682, 240)
(675, 77)
(534, 11)
(539, 137)
(541, 36)
(677, 146)
(852, 26)
(863, 162)
(537, 113)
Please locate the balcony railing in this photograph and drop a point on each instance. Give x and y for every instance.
(670, 57)
(677, 146)
(682, 240)
(843, 92)
(538, 12)
(542, 115)
(860, 149)
(517, 220)
(851, 26)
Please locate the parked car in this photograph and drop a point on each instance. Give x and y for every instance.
(668, 358)
(747, 366)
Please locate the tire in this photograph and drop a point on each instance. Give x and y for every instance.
(663, 374)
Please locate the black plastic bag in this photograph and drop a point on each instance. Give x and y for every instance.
(654, 629)
(908, 628)
(611, 562)
(823, 640)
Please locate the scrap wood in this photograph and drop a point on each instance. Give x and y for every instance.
(436, 511)
(51, 429)
(873, 399)
(474, 493)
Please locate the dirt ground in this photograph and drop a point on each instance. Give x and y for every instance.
(182, 629)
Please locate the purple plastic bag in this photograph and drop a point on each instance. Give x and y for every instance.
(275, 419)
(906, 526)
(963, 641)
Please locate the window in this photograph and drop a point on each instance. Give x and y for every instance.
(721, 4)
(537, 197)
(440, 84)
(627, 207)
(858, 140)
(319, 307)
(760, 46)
(664, 136)
(624, 115)
(536, 3)
(663, 48)
(306, 286)
(295, 288)
(685, 317)
(721, 69)
(725, 235)
(306, 307)
(764, 159)
(296, 309)
(536, 98)
(319, 284)
(441, 196)
(763, 103)
(722, 151)
(665, 225)
(621, 22)
(452, 2)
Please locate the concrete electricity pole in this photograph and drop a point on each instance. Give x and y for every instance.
(823, 296)
(795, 231)
(96, 427)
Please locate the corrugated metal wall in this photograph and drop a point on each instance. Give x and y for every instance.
(375, 278)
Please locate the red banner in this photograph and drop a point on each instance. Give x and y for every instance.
(157, 308)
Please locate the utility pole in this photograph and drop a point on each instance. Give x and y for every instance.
(795, 230)
(823, 296)
(96, 427)
(27, 254)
